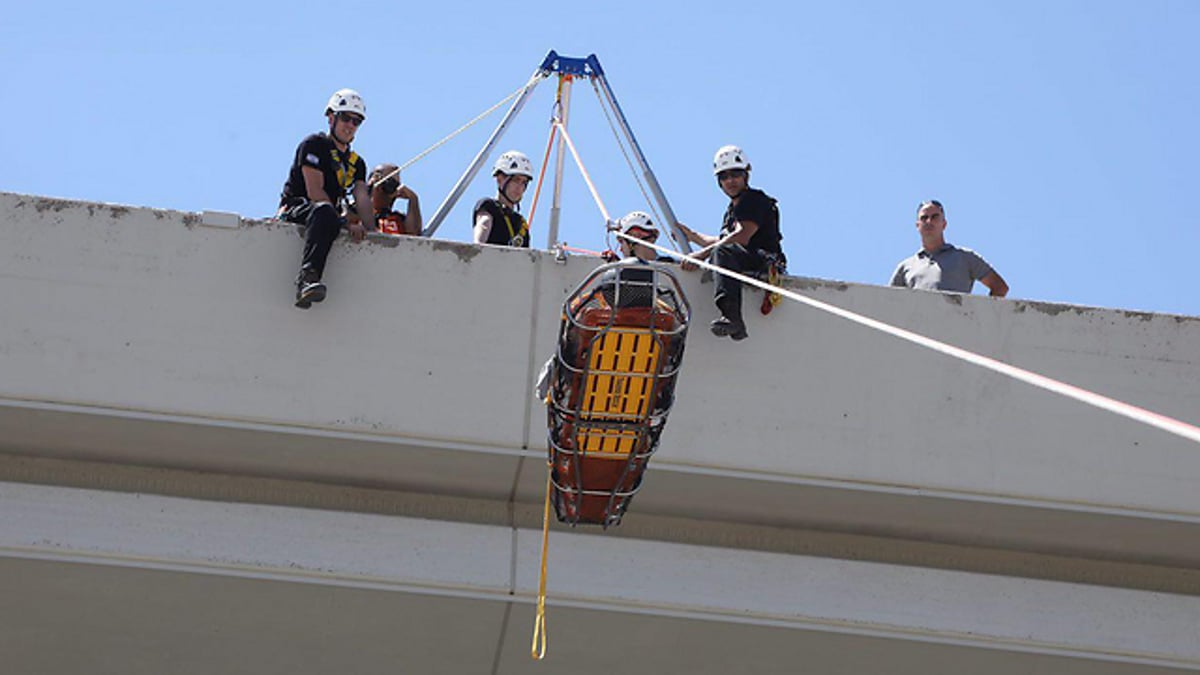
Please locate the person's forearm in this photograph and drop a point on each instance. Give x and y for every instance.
(362, 204)
(695, 237)
(412, 221)
(365, 216)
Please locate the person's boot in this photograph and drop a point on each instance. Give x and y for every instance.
(309, 288)
(730, 322)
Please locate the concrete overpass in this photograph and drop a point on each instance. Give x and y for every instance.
(196, 477)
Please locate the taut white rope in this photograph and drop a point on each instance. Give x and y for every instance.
(458, 131)
(586, 178)
(1148, 417)
(604, 105)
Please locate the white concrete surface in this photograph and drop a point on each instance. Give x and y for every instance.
(142, 314)
(488, 563)
(136, 336)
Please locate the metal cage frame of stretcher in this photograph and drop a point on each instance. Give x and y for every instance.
(620, 346)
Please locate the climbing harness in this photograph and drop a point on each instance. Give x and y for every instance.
(515, 237)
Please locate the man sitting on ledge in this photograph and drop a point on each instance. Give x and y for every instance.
(323, 171)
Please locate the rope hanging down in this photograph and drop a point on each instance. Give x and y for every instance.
(538, 648)
(1147, 417)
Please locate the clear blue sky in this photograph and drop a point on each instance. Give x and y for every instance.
(1062, 136)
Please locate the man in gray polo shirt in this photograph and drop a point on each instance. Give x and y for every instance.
(939, 266)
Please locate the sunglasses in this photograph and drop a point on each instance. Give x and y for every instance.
(733, 173)
(349, 118)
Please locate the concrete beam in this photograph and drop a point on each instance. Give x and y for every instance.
(136, 335)
(492, 564)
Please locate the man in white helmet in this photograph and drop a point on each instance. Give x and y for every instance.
(749, 242)
(638, 224)
(635, 279)
(497, 221)
(324, 170)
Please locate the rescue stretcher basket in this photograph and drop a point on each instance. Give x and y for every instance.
(620, 345)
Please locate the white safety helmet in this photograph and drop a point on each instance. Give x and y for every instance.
(513, 163)
(730, 157)
(346, 100)
(639, 220)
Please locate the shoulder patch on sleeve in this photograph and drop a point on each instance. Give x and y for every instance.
(312, 159)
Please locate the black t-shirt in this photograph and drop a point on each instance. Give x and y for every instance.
(508, 227)
(759, 208)
(340, 170)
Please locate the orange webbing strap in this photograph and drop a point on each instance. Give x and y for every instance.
(537, 650)
(541, 176)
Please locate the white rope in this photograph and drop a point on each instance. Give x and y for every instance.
(586, 178)
(658, 217)
(1148, 417)
(458, 131)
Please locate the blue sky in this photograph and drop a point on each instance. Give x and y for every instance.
(1062, 135)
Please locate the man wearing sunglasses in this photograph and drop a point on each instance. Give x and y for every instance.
(324, 170)
(939, 266)
(385, 188)
(750, 239)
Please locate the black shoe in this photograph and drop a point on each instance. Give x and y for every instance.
(309, 292)
(723, 326)
(720, 326)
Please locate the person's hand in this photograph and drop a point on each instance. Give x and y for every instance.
(405, 192)
(357, 231)
(609, 256)
(687, 231)
(688, 266)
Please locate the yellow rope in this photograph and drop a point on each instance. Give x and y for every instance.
(538, 649)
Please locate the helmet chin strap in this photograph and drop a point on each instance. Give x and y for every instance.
(333, 131)
(504, 193)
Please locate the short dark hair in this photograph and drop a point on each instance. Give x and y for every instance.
(934, 202)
